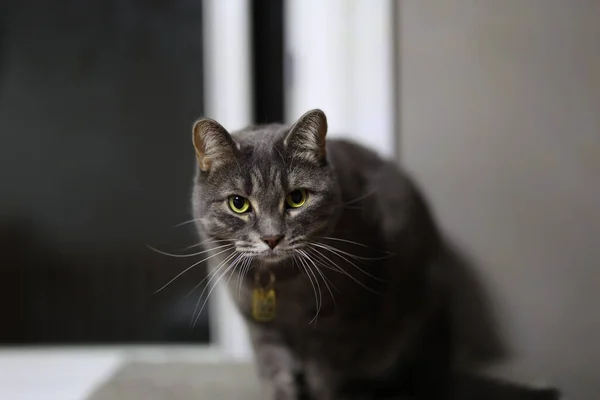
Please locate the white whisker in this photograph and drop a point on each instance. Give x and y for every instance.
(317, 297)
(211, 276)
(334, 267)
(189, 221)
(242, 277)
(208, 275)
(206, 242)
(192, 266)
(361, 245)
(341, 254)
(187, 255)
(231, 266)
(325, 280)
(364, 196)
(236, 265)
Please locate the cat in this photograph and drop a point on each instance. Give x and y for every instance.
(331, 255)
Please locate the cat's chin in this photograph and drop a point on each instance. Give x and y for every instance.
(271, 257)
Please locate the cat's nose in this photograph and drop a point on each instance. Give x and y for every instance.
(271, 241)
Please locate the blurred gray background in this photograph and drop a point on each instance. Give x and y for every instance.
(500, 121)
(497, 114)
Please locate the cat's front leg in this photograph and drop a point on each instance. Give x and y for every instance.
(280, 387)
(276, 369)
(276, 366)
(322, 382)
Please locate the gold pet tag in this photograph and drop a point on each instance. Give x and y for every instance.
(264, 300)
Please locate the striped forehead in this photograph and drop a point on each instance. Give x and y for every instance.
(266, 179)
(265, 171)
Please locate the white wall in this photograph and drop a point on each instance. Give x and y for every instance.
(228, 100)
(500, 121)
(341, 60)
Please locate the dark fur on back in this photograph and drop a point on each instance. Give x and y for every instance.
(359, 303)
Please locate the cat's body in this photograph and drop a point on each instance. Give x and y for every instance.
(358, 304)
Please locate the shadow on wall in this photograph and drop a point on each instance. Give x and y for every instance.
(478, 339)
(475, 328)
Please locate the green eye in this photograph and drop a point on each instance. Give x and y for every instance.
(239, 204)
(296, 198)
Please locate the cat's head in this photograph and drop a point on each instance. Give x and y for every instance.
(268, 190)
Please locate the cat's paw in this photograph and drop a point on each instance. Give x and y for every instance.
(281, 387)
(285, 393)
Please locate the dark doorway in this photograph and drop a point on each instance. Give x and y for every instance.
(96, 103)
(269, 61)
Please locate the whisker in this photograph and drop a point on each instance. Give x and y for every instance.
(320, 303)
(309, 251)
(187, 255)
(325, 280)
(206, 242)
(234, 270)
(192, 266)
(211, 276)
(242, 277)
(303, 265)
(189, 221)
(241, 262)
(208, 275)
(296, 240)
(361, 245)
(333, 266)
(327, 263)
(354, 256)
(231, 266)
(364, 196)
(340, 254)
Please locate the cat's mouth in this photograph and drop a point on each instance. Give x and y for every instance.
(269, 255)
(273, 256)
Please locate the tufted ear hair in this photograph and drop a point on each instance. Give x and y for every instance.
(306, 138)
(213, 144)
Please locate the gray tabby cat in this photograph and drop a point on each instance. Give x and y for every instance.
(329, 252)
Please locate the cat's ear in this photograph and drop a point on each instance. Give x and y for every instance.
(213, 144)
(306, 138)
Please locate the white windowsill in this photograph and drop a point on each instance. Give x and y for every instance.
(72, 373)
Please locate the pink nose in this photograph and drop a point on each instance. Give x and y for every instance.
(271, 241)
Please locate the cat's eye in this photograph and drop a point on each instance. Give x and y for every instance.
(296, 198)
(239, 204)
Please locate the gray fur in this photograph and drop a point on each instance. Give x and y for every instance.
(376, 322)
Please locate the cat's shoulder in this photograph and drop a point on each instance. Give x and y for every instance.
(383, 175)
(345, 153)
